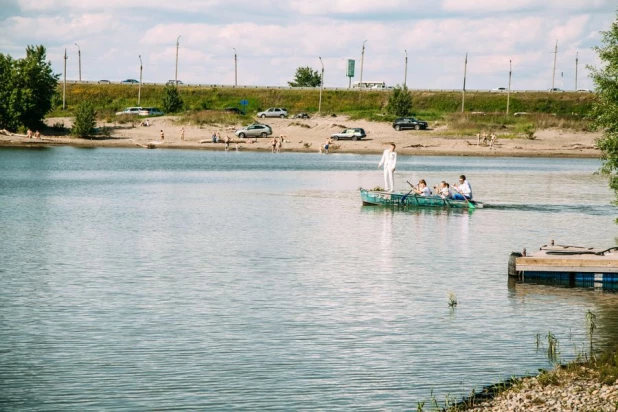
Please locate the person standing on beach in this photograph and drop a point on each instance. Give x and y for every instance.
(162, 135)
(389, 160)
(326, 146)
(182, 133)
(227, 143)
(274, 144)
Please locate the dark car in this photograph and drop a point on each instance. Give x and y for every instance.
(104, 82)
(235, 110)
(409, 123)
(354, 133)
(129, 81)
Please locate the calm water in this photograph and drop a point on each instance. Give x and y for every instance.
(162, 279)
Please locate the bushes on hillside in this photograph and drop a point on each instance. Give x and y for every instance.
(399, 102)
(172, 102)
(85, 120)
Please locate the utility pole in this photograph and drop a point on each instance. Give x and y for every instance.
(405, 76)
(553, 76)
(235, 68)
(139, 90)
(463, 92)
(508, 93)
(64, 87)
(321, 86)
(79, 58)
(176, 76)
(576, 63)
(360, 84)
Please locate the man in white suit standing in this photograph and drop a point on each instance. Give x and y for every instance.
(389, 160)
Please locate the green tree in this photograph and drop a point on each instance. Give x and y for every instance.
(85, 120)
(172, 102)
(399, 102)
(26, 89)
(306, 77)
(605, 109)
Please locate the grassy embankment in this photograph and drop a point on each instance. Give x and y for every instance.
(484, 110)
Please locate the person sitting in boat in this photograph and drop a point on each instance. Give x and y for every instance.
(463, 189)
(444, 190)
(422, 188)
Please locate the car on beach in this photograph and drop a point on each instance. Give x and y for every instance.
(301, 116)
(353, 133)
(130, 111)
(129, 81)
(273, 112)
(150, 111)
(409, 123)
(254, 130)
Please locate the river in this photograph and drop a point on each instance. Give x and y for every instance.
(174, 279)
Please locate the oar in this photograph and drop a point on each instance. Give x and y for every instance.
(407, 194)
(470, 204)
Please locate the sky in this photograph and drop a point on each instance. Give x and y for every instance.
(272, 38)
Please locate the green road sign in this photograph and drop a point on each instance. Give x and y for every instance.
(350, 72)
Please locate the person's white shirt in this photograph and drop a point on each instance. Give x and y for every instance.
(425, 191)
(445, 192)
(389, 159)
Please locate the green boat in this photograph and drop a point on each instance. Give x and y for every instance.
(408, 199)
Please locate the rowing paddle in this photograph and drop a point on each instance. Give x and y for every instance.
(407, 194)
(470, 203)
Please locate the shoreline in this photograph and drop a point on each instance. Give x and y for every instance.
(309, 136)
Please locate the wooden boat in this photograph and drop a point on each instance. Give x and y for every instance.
(572, 265)
(407, 199)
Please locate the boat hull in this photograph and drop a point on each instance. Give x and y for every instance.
(405, 199)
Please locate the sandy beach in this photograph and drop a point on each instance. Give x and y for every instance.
(308, 135)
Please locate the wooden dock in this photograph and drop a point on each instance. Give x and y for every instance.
(567, 265)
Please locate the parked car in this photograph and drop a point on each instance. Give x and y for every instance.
(104, 82)
(354, 133)
(301, 116)
(585, 91)
(254, 130)
(555, 89)
(499, 89)
(150, 111)
(129, 81)
(172, 82)
(235, 110)
(409, 123)
(273, 112)
(130, 110)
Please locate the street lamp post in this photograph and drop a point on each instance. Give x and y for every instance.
(508, 94)
(405, 76)
(177, 45)
(463, 91)
(360, 84)
(235, 67)
(321, 86)
(64, 86)
(139, 90)
(576, 63)
(79, 58)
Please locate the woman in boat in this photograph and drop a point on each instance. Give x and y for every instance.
(463, 189)
(444, 190)
(422, 188)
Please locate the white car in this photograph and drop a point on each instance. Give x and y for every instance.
(273, 112)
(499, 89)
(129, 110)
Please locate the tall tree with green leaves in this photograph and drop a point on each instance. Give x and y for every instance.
(306, 77)
(85, 120)
(605, 110)
(399, 102)
(27, 86)
(172, 102)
